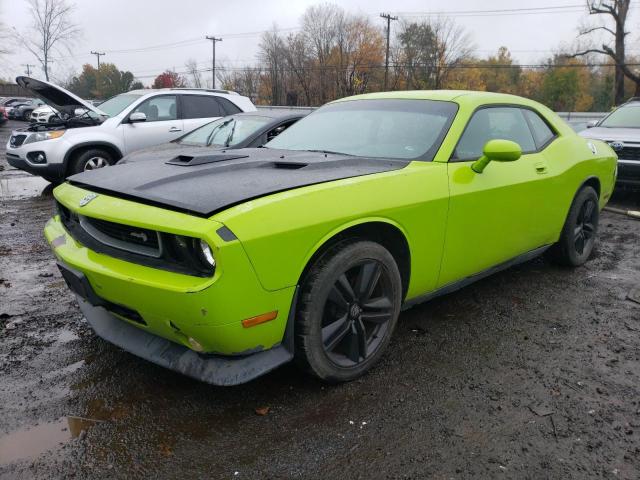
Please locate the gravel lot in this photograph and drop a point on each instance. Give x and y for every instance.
(531, 373)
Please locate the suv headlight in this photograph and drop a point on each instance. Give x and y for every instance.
(40, 136)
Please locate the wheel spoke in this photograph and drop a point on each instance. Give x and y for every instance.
(588, 230)
(577, 231)
(353, 348)
(381, 303)
(367, 280)
(346, 288)
(336, 296)
(580, 243)
(362, 338)
(333, 333)
(376, 317)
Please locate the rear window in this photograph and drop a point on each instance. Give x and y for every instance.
(200, 106)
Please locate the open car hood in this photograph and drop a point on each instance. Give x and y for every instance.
(56, 97)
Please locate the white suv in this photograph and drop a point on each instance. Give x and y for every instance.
(83, 137)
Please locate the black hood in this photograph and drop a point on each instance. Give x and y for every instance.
(208, 183)
(56, 97)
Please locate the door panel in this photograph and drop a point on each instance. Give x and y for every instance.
(503, 212)
(162, 124)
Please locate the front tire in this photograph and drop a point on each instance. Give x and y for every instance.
(26, 116)
(579, 232)
(349, 306)
(91, 160)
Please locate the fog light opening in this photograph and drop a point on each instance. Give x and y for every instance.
(265, 317)
(37, 157)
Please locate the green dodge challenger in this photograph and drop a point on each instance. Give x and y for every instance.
(225, 265)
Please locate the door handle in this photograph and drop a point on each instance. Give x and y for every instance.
(541, 167)
(175, 129)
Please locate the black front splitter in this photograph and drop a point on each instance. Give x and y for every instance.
(213, 369)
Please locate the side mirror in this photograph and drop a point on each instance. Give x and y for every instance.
(137, 117)
(497, 151)
(592, 123)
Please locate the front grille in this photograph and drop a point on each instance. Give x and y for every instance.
(126, 233)
(17, 140)
(133, 244)
(629, 153)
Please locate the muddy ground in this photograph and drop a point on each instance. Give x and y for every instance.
(532, 373)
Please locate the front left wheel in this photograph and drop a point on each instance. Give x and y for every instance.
(91, 160)
(349, 306)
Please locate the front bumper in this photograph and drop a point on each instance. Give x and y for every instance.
(177, 307)
(628, 172)
(51, 171)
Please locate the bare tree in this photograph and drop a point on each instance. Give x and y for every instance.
(192, 70)
(616, 10)
(271, 54)
(53, 29)
(453, 47)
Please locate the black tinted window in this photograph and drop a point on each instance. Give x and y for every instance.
(503, 123)
(542, 134)
(229, 107)
(196, 106)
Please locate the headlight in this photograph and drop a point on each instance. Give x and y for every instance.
(192, 253)
(40, 136)
(207, 254)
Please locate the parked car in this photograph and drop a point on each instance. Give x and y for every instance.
(44, 114)
(236, 131)
(84, 137)
(309, 247)
(621, 130)
(3, 116)
(22, 111)
(10, 102)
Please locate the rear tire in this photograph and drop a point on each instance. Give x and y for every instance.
(579, 232)
(90, 160)
(349, 306)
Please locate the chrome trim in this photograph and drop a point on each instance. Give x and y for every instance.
(629, 162)
(119, 244)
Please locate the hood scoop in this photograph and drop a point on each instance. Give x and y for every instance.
(289, 165)
(191, 160)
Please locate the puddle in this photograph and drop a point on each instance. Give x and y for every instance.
(31, 442)
(17, 186)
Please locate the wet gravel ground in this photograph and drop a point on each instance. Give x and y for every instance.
(531, 373)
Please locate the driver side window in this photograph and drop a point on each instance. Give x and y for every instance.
(504, 123)
(158, 109)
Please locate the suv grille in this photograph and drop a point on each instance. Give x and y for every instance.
(629, 153)
(17, 140)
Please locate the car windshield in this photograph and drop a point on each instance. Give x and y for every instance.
(227, 131)
(396, 128)
(624, 117)
(117, 104)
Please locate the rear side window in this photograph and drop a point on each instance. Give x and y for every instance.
(229, 107)
(504, 123)
(542, 134)
(200, 106)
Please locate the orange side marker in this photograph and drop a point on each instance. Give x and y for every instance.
(265, 317)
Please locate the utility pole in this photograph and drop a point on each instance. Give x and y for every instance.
(98, 55)
(28, 67)
(213, 62)
(388, 18)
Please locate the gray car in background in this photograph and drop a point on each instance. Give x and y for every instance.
(621, 130)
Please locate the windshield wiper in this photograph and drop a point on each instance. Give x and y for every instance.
(233, 129)
(211, 135)
(330, 152)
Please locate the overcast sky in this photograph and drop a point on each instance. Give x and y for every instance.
(112, 26)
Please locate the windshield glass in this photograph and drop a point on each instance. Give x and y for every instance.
(372, 128)
(227, 131)
(624, 117)
(115, 105)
